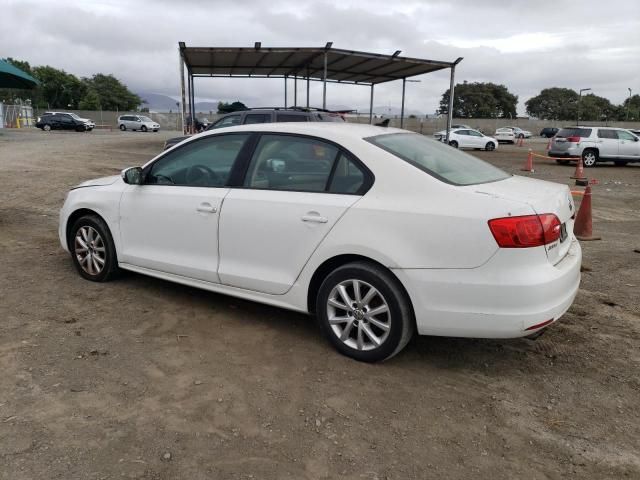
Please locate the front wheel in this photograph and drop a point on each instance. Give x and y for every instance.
(453, 143)
(364, 312)
(92, 249)
(490, 146)
(143, 128)
(589, 158)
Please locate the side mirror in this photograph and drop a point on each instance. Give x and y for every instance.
(132, 175)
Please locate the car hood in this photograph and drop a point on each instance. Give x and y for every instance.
(99, 182)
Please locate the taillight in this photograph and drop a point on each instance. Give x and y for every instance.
(525, 231)
(574, 139)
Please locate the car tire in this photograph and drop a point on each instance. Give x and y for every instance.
(46, 128)
(360, 336)
(563, 162)
(143, 128)
(453, 143)
(123, 128)
(490, 146)
(81, 129)
(589, 157)
(92, 249)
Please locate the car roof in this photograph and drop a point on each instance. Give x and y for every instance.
(320, 129)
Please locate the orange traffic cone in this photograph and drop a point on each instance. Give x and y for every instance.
(579, 173)
(583, 228)
(528, 166)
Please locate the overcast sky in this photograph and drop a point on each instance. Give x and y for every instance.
(526, 45)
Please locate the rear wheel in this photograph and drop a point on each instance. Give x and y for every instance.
(490, 146)
(143, 128)
(46, 128)
(364, 312)
(122, 127)
(453, 143)
(92, 249)
(589, 158)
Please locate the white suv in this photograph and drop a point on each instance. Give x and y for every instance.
(595, 144)
(137, 122)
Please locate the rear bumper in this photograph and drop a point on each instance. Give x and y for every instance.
(500, 299)
(565, 154)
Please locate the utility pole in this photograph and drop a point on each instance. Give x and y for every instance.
(579, 98)
(628, 104)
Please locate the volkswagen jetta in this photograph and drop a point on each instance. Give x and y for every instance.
(378, 232)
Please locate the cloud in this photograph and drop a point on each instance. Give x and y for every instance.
(523, 45)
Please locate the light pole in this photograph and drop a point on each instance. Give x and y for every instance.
(628, 104)
(579, 98)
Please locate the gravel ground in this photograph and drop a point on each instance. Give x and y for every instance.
(140, 378)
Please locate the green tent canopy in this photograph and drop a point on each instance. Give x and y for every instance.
(13, 77)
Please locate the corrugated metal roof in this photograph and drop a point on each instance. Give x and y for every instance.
(346, 66)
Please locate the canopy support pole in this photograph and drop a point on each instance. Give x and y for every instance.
(371, 106)
(182, 92)
(193, 105)
(308, 81)
(285, 91)
(451, 94)
(295, 91)
(404, 84)
(324, 83)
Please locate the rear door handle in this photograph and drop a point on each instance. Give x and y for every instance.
(206, 208)
(314, 217)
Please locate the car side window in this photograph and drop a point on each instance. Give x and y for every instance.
(347, 176)
(227, 121)
(257, 118)
(605, 133)
(288, 162)
(462, 132)
(290, 117)
(473, 133)
(201, 163)
(622, 135)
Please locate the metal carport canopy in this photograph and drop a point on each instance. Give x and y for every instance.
(326, 64)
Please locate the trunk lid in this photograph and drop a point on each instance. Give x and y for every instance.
(542, 197)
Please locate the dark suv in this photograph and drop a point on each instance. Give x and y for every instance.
(60, 121)
(549, 132)
(267, 115)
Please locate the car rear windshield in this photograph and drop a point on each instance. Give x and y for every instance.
(574, 132)
(438, 160)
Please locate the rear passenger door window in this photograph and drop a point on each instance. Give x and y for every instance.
(347, 177)
(228, 121)
(257, 118)
(290, 117)
(287, 162)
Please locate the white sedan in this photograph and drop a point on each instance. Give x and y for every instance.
(379, 232)
(467, 138)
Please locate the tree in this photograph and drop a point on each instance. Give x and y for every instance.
(634, 109)
(595, 108)
(480, 100)
(224, 107)
(112, 94)
(554, 104)
(91, 101)
(58, 89)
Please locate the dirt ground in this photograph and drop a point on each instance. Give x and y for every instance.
(140, 378)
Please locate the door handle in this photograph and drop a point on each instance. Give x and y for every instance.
(314, 217)
(206, 208)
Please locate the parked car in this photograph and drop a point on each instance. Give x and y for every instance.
(506, 135)
(137, 122)
(467, 138)
(595, 144)
(87, 121)
(548, 132)
(377, 231)
(61, 121)
(267, 115)
(521, 133)
(459, 125)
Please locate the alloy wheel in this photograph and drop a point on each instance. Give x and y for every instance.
(90, 250)
(589, 159)
(359, 315)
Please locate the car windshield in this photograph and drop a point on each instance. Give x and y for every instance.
(145, 119)
(438, 160)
